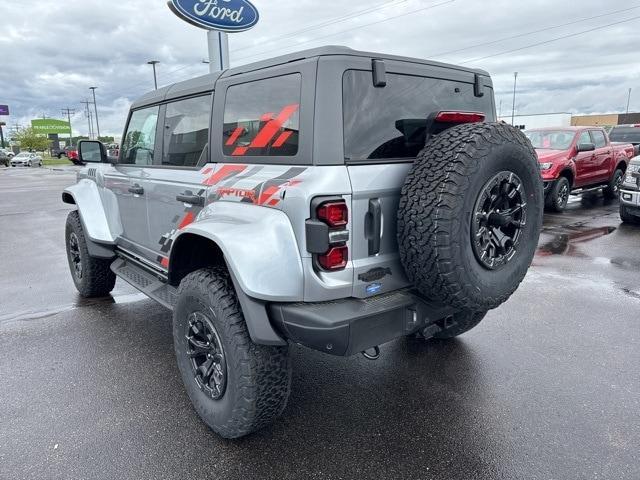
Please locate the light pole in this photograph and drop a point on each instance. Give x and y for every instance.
(153, 63)
(628, 100)
(513, 108)
(95, 107)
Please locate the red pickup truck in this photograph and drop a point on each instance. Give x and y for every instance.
(578, 159)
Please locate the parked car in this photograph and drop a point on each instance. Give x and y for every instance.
(340, 200)
(578, 159)
(8, 152)
(63, 152)
(72, 155)
(26, 159)
(630, 193)
(626, 134)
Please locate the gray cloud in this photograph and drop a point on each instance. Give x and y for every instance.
(52, 52)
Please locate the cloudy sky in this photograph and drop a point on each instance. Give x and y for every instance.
(579, 57)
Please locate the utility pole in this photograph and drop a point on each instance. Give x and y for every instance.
(513, 108)
(2, 124)
(628, 100)
(153, 63)
(95, 107)
(87, 112)
(68, 112)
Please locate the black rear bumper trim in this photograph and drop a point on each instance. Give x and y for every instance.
(348, 326)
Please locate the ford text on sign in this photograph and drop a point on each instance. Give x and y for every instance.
(224, 15)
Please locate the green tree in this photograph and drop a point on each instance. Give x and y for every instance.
(30, 140)
(106, 139)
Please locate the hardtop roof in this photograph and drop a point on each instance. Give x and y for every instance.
(207, 82)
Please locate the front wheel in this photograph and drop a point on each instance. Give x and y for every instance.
(558, 195)
(29, 164)
(92, 276)
(612, 191)
(235, 386)
(627, 217)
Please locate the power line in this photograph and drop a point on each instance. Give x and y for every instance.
(356, 28)
(293, 33)
(325, 23)
(551, 40)
(532, 32)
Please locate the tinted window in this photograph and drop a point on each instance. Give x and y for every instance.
(598, 138)
(390, 122)
(551, 139)
(262, 118)
(140, 139)
(186, 132)
(584, 138)
(625, 134)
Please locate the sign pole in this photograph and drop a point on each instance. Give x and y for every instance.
(218, 43)
(1, 135)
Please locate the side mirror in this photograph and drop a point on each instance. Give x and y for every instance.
(586, 147)
(92, 151)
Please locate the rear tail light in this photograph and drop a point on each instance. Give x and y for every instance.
(460, 117)
(328, 234)
(334, 214)
(335, 258)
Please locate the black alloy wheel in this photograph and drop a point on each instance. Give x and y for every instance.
(74, 255)
(499, 217)
(206, 353)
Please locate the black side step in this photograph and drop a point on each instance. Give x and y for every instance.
(146, 282)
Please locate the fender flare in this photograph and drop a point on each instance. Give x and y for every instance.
(259, 247)
(86, 197)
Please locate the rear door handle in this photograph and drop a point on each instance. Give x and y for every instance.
(373, 227)
(136, 190)
(189, 197)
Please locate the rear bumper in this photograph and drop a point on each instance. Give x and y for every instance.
(346, 327)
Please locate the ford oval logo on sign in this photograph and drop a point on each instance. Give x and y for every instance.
(223, 15)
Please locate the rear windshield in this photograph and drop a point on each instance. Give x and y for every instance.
(390, 122)
(625, 134)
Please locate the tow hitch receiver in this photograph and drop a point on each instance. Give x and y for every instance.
(371, 356)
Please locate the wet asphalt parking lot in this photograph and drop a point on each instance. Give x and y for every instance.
(547, 387)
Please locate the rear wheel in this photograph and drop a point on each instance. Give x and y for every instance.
(558, 195)
(235, 386)
(612, 191)
(470, 215)
(627, 217)
(92, 276)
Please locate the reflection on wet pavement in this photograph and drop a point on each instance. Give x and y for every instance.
(564, 242)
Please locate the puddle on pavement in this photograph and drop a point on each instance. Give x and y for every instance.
(565, 243)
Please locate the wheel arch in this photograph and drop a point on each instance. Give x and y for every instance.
(191, 252)
(569, 175)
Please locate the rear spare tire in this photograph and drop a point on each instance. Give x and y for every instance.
(470, 215)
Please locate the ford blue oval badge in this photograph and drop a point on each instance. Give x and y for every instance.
(223, 15)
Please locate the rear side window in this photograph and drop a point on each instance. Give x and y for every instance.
(625, 134)
(262, 118)
(139, 142)
(390, 122)
(186, 132)
(598, 138)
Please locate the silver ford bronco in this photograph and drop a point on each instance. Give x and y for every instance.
(331, 198)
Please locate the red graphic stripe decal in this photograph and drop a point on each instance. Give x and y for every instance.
(273, 126)
(284, 136)
(240, 151)
(223, 173)
(234, 136)
(188, 218)
(266, 194)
